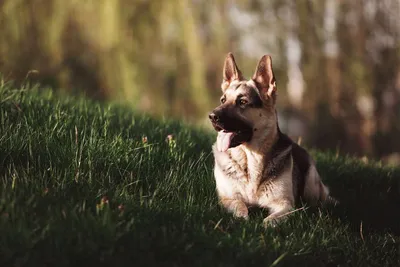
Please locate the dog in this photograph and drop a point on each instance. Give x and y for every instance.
(255, 163)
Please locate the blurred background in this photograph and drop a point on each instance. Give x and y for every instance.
(337, 62)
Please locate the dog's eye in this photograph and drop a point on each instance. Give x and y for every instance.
(223, 100)
(242, 102)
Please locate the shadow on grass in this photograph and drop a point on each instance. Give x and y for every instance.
(369, 209)
(369, 196)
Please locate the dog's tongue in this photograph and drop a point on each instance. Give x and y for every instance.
(224, 140)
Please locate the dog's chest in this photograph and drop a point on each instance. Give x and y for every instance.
(239, 172)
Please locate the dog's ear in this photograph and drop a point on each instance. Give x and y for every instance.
(264, 78)
(231, 72)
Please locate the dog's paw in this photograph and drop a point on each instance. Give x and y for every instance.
(241, 212)
(270, 222)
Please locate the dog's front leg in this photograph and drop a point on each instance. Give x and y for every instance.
(278, 212)
(236, 206)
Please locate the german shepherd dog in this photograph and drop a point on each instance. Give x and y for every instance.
(255, 163)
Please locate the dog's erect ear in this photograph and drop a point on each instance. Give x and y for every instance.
(264, 78)
(231, 72)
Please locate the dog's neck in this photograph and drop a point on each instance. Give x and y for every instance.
(267, 140)
(257, 155)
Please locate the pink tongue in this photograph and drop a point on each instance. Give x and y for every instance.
(224, 140)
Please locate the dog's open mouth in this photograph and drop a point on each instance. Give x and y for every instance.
(226, 140)
(231, 133)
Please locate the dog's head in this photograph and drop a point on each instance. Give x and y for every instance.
(247, 106)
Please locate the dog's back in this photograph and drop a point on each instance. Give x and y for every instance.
(307, 184)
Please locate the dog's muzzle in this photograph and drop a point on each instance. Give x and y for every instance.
(232, 131)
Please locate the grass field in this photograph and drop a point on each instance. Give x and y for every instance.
(89, 184)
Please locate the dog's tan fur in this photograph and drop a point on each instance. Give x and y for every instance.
(269, 171)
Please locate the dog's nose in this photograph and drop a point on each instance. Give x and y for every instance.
(213, 117)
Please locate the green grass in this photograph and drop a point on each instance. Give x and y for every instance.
(60, 156)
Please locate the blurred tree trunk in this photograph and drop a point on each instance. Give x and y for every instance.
(351, 40)
(219, 43)
(332, 81)
(310, 19)
(193, 42)
(316, 100)
(385, 62)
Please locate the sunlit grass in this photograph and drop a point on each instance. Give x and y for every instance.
(84, 184)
